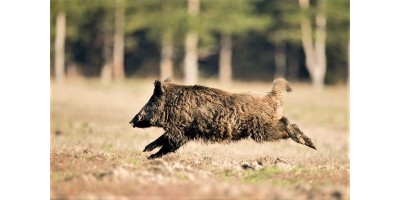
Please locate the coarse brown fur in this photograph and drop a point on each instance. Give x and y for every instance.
(212, 115)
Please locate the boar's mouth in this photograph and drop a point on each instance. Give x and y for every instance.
(141, 124)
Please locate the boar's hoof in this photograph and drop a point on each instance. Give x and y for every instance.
(150, 147)
(154, 156)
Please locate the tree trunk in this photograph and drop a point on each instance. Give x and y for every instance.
(166, 63)
(225, 60)
(191, 57)
(315, 54)
(106, 74)
(280, 59)
(191, 67)
(107, 70)
(118, 54)
(60, 47)
(306, 38)
(320, 45)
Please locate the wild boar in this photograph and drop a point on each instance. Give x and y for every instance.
(211, 115)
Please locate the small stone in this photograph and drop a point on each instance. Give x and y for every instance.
(246, 165)
(282, 164)
(178, 166)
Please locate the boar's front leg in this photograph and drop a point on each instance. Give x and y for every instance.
(168, 146)
(165, 149)
(156, 143)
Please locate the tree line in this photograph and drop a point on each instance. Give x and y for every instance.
(236, 39)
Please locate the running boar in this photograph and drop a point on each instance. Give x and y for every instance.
(212, 115)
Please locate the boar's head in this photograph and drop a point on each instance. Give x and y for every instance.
(152, 114)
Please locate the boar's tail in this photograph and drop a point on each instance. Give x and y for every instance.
(280, 85)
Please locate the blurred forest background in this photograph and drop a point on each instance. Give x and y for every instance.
(118, 47)
(301, 40)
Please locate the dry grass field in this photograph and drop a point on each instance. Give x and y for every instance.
(96, 154)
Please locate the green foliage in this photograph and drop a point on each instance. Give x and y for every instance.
(231, 17)
(285, 24)
(256, 26)
(163, 21)
(338, 14)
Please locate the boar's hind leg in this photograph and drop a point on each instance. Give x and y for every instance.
(273, 132)
(167, 147)
(299, 137)
(156, 143)
(296, 134)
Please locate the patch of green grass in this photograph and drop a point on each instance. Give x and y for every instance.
(134, 161)
(261, 175)
(108, 146)
(60, 175)
(181, 176)
(227, 174)
(299, 170)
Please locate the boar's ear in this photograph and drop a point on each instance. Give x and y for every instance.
(168, 80)
(158, 88)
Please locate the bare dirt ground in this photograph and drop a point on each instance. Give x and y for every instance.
(96, 154)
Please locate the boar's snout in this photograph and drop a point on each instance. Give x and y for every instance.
(132, 122)
(135, 120)
(139, 122)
